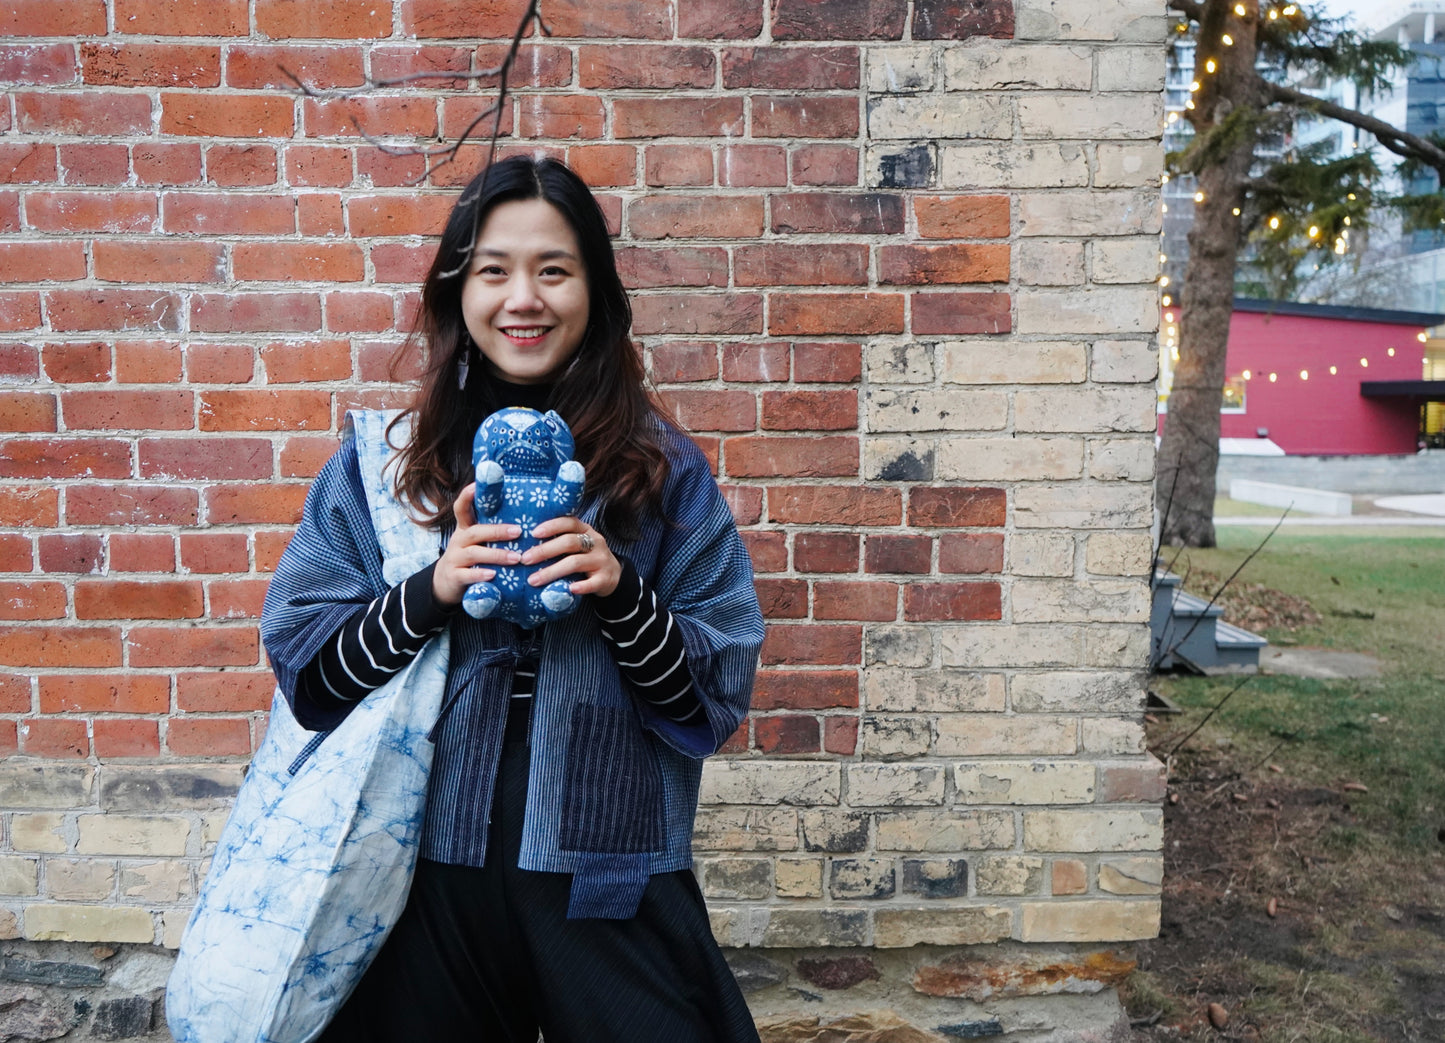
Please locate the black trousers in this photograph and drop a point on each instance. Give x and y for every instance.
(489, 955)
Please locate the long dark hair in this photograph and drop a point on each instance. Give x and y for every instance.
(601, 391)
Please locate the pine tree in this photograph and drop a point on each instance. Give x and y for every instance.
(1296, 211)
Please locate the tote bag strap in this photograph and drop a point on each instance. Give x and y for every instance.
(406, 546)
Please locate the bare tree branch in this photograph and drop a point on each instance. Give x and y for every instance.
(1188, 8)
(1400, 142)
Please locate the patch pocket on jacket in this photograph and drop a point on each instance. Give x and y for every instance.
(612, 799)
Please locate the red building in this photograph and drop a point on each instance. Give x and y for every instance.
(1320, 380)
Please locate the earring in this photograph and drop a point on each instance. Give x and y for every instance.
(464, 364)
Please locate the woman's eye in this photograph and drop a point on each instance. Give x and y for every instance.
(490, 269)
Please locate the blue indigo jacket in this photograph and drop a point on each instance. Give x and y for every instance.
(613, 786)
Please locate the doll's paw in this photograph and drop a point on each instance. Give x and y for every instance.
(481, 600)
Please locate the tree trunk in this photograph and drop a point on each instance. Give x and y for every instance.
(1189, 448)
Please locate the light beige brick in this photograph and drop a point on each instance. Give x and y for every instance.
(1009, 460)
(799, 877)
(1117, 646)
(1133, 781)
(895, 363)
(132, 835)
(1090, 213)
(1099, 309)
(900, 70)
(38, 784)
(898, 459)
(932, 117)
(805, 928)
(9, 924)
(769, 782)
(88, 923)
(895, 785)
(1125, 260)
(932, 691)
(924, 410)
(739, 879)
(1049, 262)
(1009, 875)
(745, 829)
(1084, 831)
(1123, 69)
(992, 65)
(1119, 553)
(1080, 601)
(901, 928)
(1090, 920)
(1128, 165)
(19, 877)
(894, 738)
(1084, 505)
(1131, 876)
(173, 926)
(1077, 691)
(43, 832)
(1014, 166)
(985, 734)
(1069, 876)
(1084, 409)
(1124, 361)
(76, 880)
(160, 882)
(181, 786)
(1003, 646)
(1024, 782)
(897, 644)
(1091, 116)
(1040, 554)
(1122, 459)
(1112, 736)
(951, 831)
(211, 826)
(1124, 20)
(1020, 362)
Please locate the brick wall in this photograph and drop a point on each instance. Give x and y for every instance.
(892, 264)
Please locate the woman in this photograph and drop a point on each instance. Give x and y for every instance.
(553, 888)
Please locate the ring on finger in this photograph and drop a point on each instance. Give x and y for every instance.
(587, 542)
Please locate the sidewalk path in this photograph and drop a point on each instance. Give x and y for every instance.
(1347, 521)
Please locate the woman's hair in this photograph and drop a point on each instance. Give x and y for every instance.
(601, 391)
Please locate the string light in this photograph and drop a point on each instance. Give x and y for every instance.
(1290, 9)
(1168, 315)
(1314, 231)
(1347, 220)
(1173, 117)
(1239, 10)
(1421, 336)
(1210, 65)
(1248, 375)
(1227, 40)
(1168, 300)
(1235, 211)
(1334, 370)
(1304, 374)
(1365, 363)
(1274, 222)
(1273, 14)
(1189, 104)
(1199, 197)
(1163, 280)
(1391, 352)
(1193, 86)
(1273, 377)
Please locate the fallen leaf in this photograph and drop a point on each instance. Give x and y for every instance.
(1276, 769)
(1272, 908)
(1355, 787)
(1218, 1016)
(1149, 718)
(1242, 798)
(1174, 799)
(1271, 802)
(1394, 913)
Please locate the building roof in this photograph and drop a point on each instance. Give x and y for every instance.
(1387, 316)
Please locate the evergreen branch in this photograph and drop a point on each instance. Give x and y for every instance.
(1400, 142)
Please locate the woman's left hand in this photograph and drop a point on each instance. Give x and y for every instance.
(577, 548)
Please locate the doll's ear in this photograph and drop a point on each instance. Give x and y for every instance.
(562, 445)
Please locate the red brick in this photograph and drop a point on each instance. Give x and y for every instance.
(791, 68)
(131, 505)
(725, 217)
(972, 552)
(66, 645)
(255, 504)
(220, 363)
(151, 65)
(962, 313)
(379, 117)
(791, 264)
(229, 691)
(14, 694)
(815, 362)
(411, 214)
(774, 456)
(30, 507)
(474, 116)
(745, 502)
(560, 116)
(142, 552)
(31, 163)
(805, 644)
(204, 644)
(323, 19)
(229, 213)
(95, 113)
(19, 362)
(105, 693)
(27, 411)
(637, 19)
(70, 552)
(805, 689)
(642, 67)
(962, 217)
(72, 212)
(713, 410)
(32, 600)
(768, 550)
(956, 507)
(719, 19)
(445, 67)
(148, 362)
(911, 555)
(265, 410)
(9, 207)
(54, 458)
(212, 552)
(237, 598)
(362, 312)
(536, 65)
(59, 737)
(668, 165)
(952, 601)
(825, 165)
(805, 116)
(754, 362)
(209, 736)
(325, 166)
(112, 309)
(962, 19)
(296, 363)
(867, 600)
(215, 115)
(320, 214)
(944, 265)
(269, 548)
(15, 556)
(377, 362)
(849, 313)
(840, 735)
(851, 213)
(21, 311)
(825, 552)
(126, 737)
(182, 17)
(382, 170)
(838, 19)
(783, 598)
(460, 19)
(644, 268)
(159, 261)
(681, 314)
(158, 163)
(241, 166)
(604, 166)
(787, 733)
(711, 446)
(77, 363)
(53, 18)
(834, 505)
(260, 67)
(92, 164)
(682, 362)
(110, 410)
(753, 166)
(298, 262)
(255, 313)
(677, 117)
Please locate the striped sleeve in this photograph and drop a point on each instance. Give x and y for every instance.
(375, 642)
(647, 645)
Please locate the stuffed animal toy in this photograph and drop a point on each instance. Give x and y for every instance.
(525, 475)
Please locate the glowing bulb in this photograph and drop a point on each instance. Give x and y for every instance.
(1273, 377)
(1350, 196)
(1168, 300)
(1199, 197)
(1239, 10)
(1314, 231)
(1164, 180)
(1174, 354)
(1210, 65)
(1168, 316)
(1227, 40)
(1391, 353)
(1273, 14)
(1365, 363)
(1304, 374)
(1163, 280)
(1274, 222)
(1340, 246)
(1290, 9)
(1165, 207)
(1235, 211)
(1334, 370)
(1173, 117)
(1248, 375)
(1421, 336)
(1189, 104)
(1347, 220)
(1194, 86)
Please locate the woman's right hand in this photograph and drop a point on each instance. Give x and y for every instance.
(470, 549)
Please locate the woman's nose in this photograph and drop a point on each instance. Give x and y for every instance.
(522, 295)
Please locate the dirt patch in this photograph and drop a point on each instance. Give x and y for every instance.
(1279, 908)
(1253, 606)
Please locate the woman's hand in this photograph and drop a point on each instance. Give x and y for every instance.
(471, 546)
(576, 548)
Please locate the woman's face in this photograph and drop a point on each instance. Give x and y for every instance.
(525, 301)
